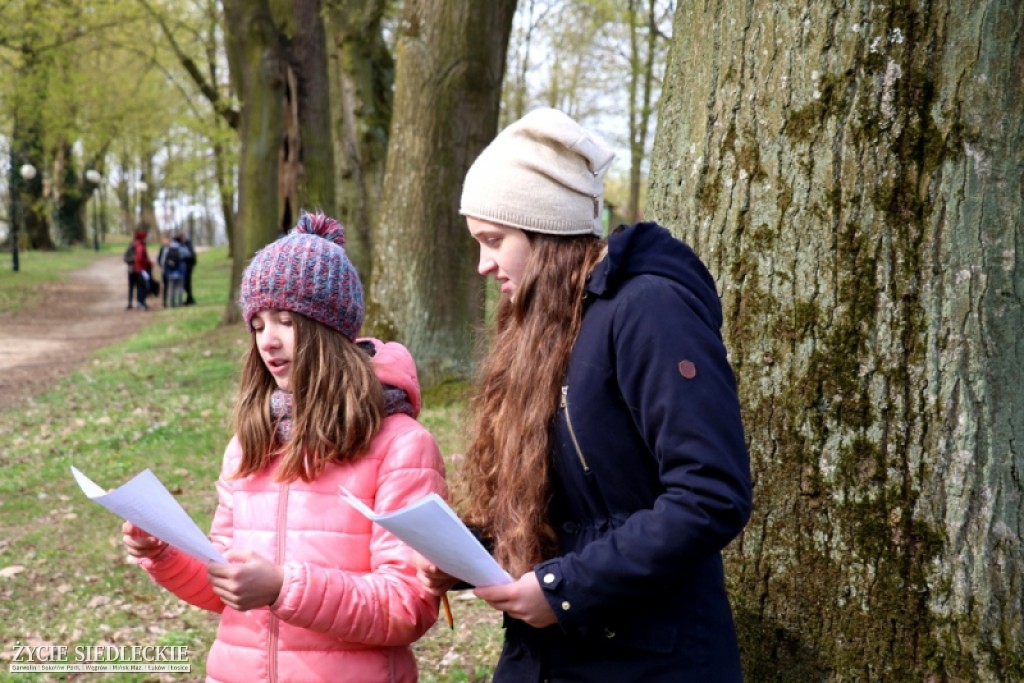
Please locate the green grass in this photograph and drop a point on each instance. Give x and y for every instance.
(162, 399)
(36, 268)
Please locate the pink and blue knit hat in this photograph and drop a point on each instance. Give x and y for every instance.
(307, 272)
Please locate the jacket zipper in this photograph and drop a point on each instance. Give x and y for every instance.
(572, 432)
(275, 623)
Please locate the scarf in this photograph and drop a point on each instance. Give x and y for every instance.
(282, 404)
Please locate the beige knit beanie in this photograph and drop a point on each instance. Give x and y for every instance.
(544, 173)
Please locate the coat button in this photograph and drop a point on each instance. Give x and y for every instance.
(609, 633)
(549, 578)
(565, 606)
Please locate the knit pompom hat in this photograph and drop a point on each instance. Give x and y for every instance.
(544, 173)
(307, 272)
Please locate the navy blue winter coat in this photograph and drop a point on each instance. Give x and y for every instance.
(651, 480)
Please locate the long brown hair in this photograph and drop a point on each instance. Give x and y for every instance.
(338, 405)
(506, 477)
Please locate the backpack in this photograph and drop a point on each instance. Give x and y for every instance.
(129, 255)
(172, 257)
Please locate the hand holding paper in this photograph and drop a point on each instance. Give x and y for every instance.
(145, 502)
(433, 530)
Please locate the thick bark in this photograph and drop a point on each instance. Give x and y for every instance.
(313, 188)
(852, 174)
(363, 73)
(425, 291)
(258, 77)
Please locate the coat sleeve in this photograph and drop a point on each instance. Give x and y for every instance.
(387, 606)
(184, 575)
(673, 373)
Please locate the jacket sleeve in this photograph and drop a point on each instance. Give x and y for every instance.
(673, 374)
(387, 606)
(184, 575)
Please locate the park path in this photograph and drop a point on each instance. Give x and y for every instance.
(66, 322)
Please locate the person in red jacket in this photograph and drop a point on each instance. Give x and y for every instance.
(607, 466)
(139, 271)
(312, 591)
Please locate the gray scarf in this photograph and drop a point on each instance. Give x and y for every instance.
(281, 404)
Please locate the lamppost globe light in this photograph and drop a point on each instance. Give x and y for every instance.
(93, 176)
(27, 172)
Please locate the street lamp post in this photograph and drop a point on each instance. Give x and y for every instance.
(95, 177)
(28, 172)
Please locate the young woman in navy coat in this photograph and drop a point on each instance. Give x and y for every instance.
(608, 467)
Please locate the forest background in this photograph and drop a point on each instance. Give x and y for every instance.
(853, 174)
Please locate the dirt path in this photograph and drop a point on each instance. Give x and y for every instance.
(68, 321)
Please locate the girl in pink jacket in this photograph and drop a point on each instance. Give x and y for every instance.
(312, 590)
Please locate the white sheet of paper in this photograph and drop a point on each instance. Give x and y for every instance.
(145, 502)
(436, 532)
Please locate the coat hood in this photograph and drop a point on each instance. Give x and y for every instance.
(649, 249)
(395, 367)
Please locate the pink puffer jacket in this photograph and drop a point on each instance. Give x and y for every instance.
(350, 604)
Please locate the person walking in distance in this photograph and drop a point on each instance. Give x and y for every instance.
(190, 265)
(173, 267)
(165, 244)
(139, 270)
(607, 465)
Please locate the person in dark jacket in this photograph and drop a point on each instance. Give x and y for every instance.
(140, 271)
(190, 265)
(607, 467)
(161, 259)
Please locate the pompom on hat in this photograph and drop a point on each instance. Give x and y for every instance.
(307, 272)
(543, 173)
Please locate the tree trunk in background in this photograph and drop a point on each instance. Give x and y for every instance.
(147, 214)
(646, 49)
(27, 194)
(425, 291)
(852, 174)
(68, 197)
(258, 78)
(28, 101)
(362, 76)
(312, 188)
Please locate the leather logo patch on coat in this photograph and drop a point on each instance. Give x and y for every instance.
(687, 369)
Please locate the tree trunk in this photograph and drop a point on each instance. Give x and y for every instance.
(363, 73)
(308, 48)
(852, 174)
(258, 77)
(27, 100)
(643, 51)
(69, 197)
(425, 291)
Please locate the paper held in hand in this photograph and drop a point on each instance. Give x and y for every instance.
(433, 530)
(145, 502)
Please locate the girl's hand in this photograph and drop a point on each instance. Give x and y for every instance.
(247, 581)
(139, 543)
(523, 600)
(436, 581)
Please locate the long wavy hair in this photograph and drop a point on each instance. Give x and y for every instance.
(506, 488)
(338, 405)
